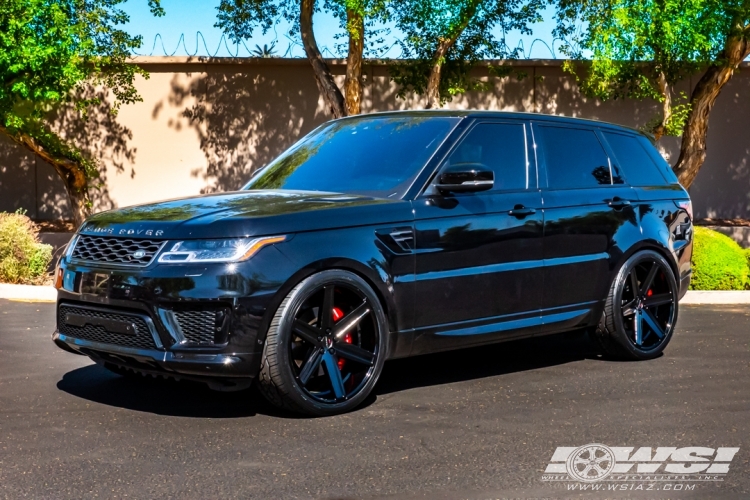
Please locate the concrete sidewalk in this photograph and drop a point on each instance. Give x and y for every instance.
(28, 292)
(716, 297)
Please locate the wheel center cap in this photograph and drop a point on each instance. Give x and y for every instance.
(329, 342)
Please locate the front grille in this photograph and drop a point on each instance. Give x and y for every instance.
(93, 332)
(199, 327)
(113, 250)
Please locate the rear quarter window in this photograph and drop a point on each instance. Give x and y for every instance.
(638, 160)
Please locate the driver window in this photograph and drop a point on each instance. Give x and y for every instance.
(501, 148)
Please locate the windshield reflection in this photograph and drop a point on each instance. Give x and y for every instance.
(373, 156)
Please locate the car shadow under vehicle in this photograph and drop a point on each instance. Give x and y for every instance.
(192, 399)
(485, 361)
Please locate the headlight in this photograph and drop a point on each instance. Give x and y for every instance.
(229, 250)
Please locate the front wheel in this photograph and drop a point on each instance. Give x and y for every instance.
(641, 309)
(326, 345)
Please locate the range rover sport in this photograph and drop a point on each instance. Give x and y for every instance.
(386, 236)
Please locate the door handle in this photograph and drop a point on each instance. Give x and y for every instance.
(520, 211)
(618, 203)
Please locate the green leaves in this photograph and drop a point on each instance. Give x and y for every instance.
(49, 49)
(642, 48)
(466, 28)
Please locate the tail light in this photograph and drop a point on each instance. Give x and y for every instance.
(687, 206)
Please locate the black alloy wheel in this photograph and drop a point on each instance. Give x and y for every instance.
(326, 345)
(641, 309)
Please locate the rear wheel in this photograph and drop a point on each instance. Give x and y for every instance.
(326, 345)
(641, 309)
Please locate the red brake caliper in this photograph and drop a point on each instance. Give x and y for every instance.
(337, 315)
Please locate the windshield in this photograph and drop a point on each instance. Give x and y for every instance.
(378, 156)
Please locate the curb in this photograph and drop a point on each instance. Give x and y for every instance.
(28, 292)
(716, 297)
(692, 297)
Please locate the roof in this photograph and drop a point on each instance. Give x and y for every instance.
(474, 113)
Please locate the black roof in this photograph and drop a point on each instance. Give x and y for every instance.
(473, 113)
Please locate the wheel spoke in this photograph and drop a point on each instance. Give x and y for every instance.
(332, 370)
(326, 312)
(307, 333)
(311, 365)
(629, 308)
(634, 284)
(638, 327)
(658, 300)
(354, 353)
(649, 279)
(351, 320)
(651, 321)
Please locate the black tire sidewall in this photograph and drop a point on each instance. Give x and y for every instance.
(286, 314)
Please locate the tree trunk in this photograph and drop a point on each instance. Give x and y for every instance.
(72, 174)
(353, 81)
(438, 59)
(326, 85)
(693, 148)
(666, 92)
(433, 83)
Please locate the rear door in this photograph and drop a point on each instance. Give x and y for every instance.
(479, 255)
(586, 209)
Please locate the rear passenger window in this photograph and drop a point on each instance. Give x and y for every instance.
(574, 158)
(634, 161)
(501, 147)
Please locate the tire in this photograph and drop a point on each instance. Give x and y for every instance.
(320, 364)
(639, 325)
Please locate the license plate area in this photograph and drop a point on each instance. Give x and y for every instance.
(112, 326)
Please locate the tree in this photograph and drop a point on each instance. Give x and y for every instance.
(240, 18)
(643, 48)
(445, 39)
(50, 50)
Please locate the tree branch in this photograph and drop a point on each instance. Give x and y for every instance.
(326, 85)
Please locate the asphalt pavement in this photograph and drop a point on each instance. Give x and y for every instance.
(477, 424)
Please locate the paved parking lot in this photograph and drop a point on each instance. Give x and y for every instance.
(479, 423)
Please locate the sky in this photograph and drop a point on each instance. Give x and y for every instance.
(188, 29)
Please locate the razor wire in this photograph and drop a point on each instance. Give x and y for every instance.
(295, 50)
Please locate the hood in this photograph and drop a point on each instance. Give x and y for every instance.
(247, 213)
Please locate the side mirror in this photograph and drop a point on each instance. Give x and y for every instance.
(466, 178)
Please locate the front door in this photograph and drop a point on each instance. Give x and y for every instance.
(479, 255)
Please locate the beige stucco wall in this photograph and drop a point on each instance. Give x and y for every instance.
(205, 125)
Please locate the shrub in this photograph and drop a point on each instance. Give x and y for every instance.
(22, 258)
(719, 263)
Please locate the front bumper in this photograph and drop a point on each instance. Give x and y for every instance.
(144, 300)
(194, 366)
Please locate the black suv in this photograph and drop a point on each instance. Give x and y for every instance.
(385, 236)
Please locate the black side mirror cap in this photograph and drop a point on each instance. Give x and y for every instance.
(466, 178)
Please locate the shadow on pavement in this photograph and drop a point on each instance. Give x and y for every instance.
(485, 361)
(163, 397)
(191, 399)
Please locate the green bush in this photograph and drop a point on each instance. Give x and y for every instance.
(22, 258)
(719, 263)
